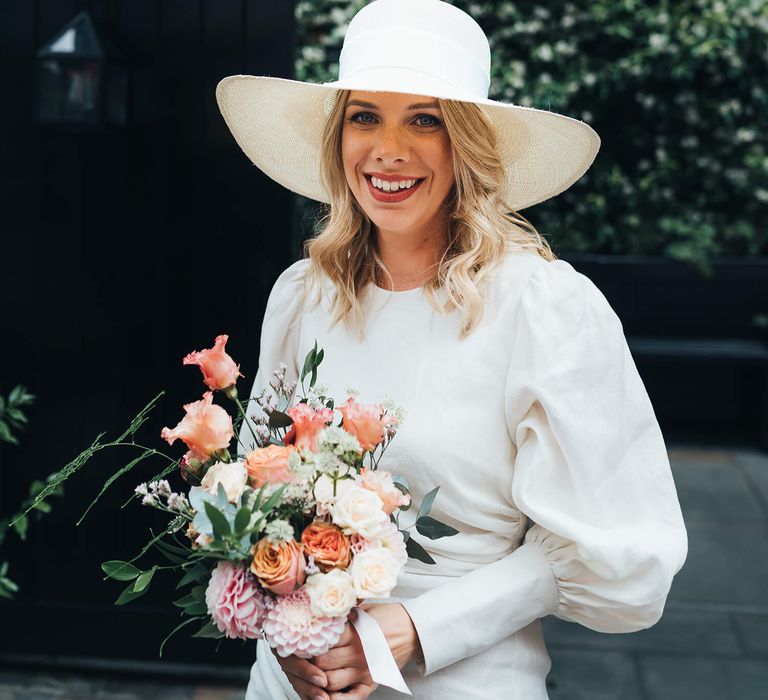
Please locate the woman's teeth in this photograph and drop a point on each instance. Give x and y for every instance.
(392, 186)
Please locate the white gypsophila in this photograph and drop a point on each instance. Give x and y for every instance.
(302, 469)
(327, 463)
(279, 531)
(162, 489)
(331, 594)
(141, 490)
(338, 441)
(178, 502)
(150, 500)
(394, 410)
(352, 392)
(359, 511)
(374, 573)
(233, 476)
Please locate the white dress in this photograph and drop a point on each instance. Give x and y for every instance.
(550, 462)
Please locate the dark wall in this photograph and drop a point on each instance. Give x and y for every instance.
(122, 250)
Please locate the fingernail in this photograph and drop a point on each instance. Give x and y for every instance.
(319, 680)
(320, 696)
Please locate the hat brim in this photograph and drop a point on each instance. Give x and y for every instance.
(278, 123)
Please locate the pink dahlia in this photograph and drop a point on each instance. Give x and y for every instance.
(235, 604)
(291, 628)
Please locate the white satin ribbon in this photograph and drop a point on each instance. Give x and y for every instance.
(381, 663)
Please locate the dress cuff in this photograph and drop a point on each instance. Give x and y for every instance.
(477, 610)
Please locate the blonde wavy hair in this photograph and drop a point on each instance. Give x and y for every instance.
(481, 229)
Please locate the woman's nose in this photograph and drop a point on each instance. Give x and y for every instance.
(390, 146)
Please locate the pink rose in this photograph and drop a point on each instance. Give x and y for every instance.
(307, 423)
(365, 421)
(219, 369)
(205, 429)
(234, 602)
(268, 465)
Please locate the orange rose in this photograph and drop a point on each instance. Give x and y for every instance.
(268, 465)
(279, 566)
(219, 369)
(327, 544)
(205, 429)
(307, 423)
(365, 421)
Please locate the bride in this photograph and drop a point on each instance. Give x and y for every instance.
(523, 402)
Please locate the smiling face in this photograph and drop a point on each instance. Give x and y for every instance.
(397, 161)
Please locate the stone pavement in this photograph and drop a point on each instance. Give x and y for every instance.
(712, 642)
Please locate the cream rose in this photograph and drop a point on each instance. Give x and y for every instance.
(233, 477)
(374, 573)
(331, 594)
(359, 511)
(324, 492)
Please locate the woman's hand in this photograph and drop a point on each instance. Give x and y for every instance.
(306, 678)
(345, 666)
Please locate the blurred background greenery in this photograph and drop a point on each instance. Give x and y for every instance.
(676, 89)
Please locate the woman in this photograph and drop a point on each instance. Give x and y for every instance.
(523, 401)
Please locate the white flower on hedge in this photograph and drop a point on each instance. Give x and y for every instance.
(374, 573)
(359, 511)
(279, 531)
(232, 476)
(331, 594)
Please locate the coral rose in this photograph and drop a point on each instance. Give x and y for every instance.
(381, 482)
(365, 421)
(307, 423)
(327, 544)
(234, 603)
(269, 465)
(206, 429)
(279, 566)
(219, 369)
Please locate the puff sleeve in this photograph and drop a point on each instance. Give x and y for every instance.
(592, 474)
(279, 339)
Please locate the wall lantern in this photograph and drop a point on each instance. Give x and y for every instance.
(80, 79)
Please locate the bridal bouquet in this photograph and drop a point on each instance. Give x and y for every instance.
(283, 538)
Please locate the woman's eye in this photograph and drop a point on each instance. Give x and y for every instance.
(427, 120)
(363, 118)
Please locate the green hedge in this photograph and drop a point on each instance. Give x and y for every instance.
(677, 91)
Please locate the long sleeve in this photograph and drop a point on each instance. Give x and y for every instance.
(279, 339)
(591, 473)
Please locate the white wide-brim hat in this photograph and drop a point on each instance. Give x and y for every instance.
(419, 47)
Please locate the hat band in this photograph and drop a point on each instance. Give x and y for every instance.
(428, 53)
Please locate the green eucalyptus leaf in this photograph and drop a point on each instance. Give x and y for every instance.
(120, 570)
(197, 573)
(434, 529)
(426, 503)
(242, 519)
(218, 520)
(209, 631)
(416, 551)
(278, 419)
(129, 594)
(143, 580)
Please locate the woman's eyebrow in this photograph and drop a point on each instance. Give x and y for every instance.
(370, 105)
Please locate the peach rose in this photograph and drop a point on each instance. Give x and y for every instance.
(307, 423)
(206, 429)
(279, 566)
(219, 369)
(269, 465)
(327, 544)
(365, 421)
(381, 482)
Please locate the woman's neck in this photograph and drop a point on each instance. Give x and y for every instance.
(410, 259)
